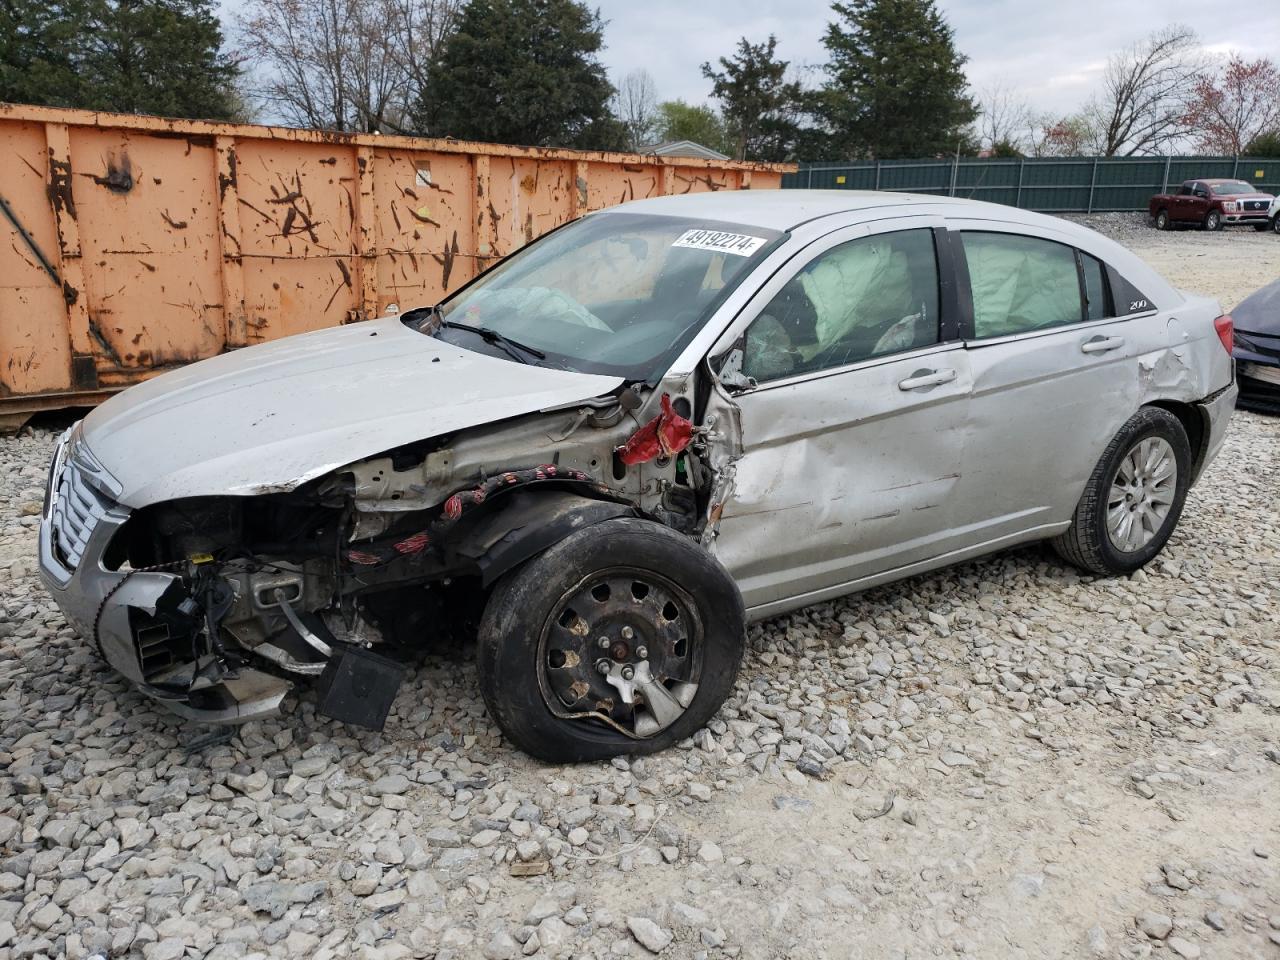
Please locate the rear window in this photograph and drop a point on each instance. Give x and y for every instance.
(1097, 306)
(1020, 283)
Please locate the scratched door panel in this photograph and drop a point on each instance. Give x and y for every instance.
(148, 234)
(426, 247)
(844, 476)
(35, 351)
(298, 207)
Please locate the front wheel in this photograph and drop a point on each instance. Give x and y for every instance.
(1275, 223)
(625, 637)
(1134, 496)
(1162, 220)
(1213, 221)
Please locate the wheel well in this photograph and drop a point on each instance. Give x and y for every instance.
(1192, 419)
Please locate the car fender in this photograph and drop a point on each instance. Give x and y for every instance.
(525, 524)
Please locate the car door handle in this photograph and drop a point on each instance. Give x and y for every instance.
(926, 378)
(1102, 344)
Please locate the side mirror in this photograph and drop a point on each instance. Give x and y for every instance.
(731, 374)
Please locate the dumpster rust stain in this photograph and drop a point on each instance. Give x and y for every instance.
(100, 338)
(299, 217)
(228, 179)
(176, 224)
(60, 186)
(119, 175)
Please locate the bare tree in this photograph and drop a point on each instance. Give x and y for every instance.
(1004, 117)
(636, 104)
(1147, 89)
(347, 65)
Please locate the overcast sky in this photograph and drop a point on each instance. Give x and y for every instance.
(1050, 51)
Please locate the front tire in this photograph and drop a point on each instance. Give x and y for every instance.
(1162, 220)
(1275, 223)
(623, 638)
(1134, 496)
(1213, 221)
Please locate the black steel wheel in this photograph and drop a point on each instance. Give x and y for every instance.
(625, 637)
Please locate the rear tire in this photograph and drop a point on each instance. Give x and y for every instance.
(622, 593)
(1162, 220)
(1213, 221)
(1090, 543)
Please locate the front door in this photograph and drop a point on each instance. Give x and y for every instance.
(851, 433)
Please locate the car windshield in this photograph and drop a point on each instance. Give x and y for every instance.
(1232, 188)
(612, 293)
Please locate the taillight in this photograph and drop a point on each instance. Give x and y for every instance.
(1226, 330)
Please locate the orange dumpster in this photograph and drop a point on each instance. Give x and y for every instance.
(136, 244)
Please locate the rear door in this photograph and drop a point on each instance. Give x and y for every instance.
(1052, 377)
(852, 420)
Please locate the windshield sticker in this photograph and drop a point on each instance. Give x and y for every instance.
(738, 244)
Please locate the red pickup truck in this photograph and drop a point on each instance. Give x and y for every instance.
(1211, 204)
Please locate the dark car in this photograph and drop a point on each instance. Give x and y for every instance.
(1211, 204)
(1257, 349)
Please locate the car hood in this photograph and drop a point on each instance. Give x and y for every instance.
(1260, 311)
(273, 416)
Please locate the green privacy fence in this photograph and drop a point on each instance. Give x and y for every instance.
(1049, 184)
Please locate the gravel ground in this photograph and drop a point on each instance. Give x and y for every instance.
(1004, 759)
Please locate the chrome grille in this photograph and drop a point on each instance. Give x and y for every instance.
(76, 510)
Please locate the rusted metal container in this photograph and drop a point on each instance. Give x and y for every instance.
(136, 244)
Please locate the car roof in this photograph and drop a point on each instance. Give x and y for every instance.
(785, 210)
(788, 209)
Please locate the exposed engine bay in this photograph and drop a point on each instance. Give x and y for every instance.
(343, 578)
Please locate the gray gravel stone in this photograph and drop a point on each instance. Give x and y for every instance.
(648, 934)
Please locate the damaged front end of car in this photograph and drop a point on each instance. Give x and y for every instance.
(218, 606)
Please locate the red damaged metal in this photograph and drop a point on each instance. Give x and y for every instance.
(664, 436)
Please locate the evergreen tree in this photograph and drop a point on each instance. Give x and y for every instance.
(36, 45)
(522, 71)
(896, 85)
(131, 56)
(758, 103)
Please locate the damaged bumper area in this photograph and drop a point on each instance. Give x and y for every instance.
(1217, 410)
(219, 606)
(134, 617)
(142, 620)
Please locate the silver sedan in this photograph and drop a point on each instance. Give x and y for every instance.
(604, 456)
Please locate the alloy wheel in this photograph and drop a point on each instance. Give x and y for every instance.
(1142, 494)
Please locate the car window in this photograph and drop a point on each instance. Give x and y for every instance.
(1097, 306)
(865, 298)
(1186, 190)
(611, 293)
(1020, 283)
